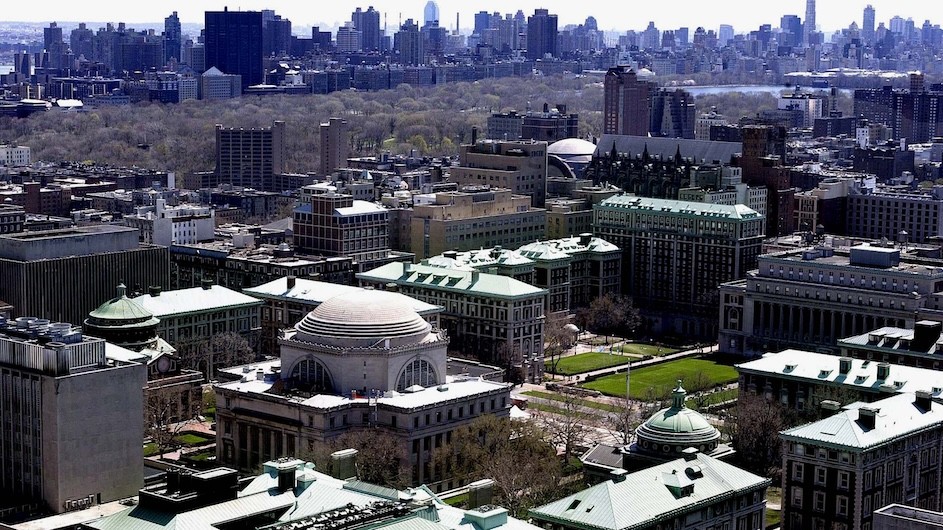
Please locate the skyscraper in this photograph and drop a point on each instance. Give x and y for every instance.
(408, 43)
(867, 26)
(334, 141)
(54, 45)
(725, 34)
(234, 44)
(626, 102)
(172, 38)
(368, 24)
(250, 157)
(482, 22)
(430, 13)
(541, 35)
(808, 29)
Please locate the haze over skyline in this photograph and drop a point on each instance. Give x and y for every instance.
(744, 16)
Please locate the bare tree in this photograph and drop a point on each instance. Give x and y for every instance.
(557, 338)
(222, 350)
(754, 426)
(168, 411)
(621, 424)
(613, 313)
(569, 426)
(381, 459)
(515, 454)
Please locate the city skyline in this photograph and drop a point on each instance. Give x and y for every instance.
(830, 15)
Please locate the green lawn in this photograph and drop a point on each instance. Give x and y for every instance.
(773, 518)
(587, 362)
(584, 402)
(648, 349)
(662, 378)
(150, 449)
(458, 500)
(547, 408)
(192, 439)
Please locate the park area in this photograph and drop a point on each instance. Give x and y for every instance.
(621, 354)
(652, 382)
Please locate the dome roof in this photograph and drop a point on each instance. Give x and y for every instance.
(677, 428)
(571, 147)
(645, 73)
(121, 311)
(362, 319)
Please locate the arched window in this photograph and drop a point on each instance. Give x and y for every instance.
(311, 375)
(416, 372)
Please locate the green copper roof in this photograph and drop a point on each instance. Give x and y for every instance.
(678, 425)
(122, 310)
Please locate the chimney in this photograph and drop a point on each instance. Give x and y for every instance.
(844, 365)
(260, 374)
(154, 290)
(923, 400)
(474, 135)
(344, 464)
(206, 283)
(474, 276)
(690, 454)
(585, 238)
(926, 333)
(884, 371)
(286, 479)
(480, 493)
(867, 417)
(291, 281)
(391, 287)
(618, 475)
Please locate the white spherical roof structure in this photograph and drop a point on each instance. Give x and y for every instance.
(363, 319)
(570, 147)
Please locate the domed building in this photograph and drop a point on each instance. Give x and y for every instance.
(667, 435)
(672, 430)
(574, 153)
(172, 394)
(362, 341)
(361, 360)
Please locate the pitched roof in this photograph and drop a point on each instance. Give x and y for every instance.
(451, 280)
(644, 497)
(703, 209)
(896, 416)
(702, 151)
(194, 299)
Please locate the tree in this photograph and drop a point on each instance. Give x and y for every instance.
(567, 427)
(611, 313)
(381, 459)
(621, 424)
(222, 350)
(515, 454)
(557, 338)
(754, 426)
(168, 411)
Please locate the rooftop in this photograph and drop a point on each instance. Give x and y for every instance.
(645, 497)
(861, 375)
(632, 202)
(894, 417)
(314, 292)
(194, 300)
(451, 280)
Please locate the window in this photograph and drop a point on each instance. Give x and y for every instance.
(417, 372)
(842, 505)
(312, 376)
(820, 475)
(796, 497)
(843, 480)
(819, 501)
(797, 468)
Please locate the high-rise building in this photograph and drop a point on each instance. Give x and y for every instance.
(49, 273)
(276, 34)
(250, 158)
(867, 26)
(61, 391)
(482, 22)
(234, 44)
(328, 223)
(54, 45)
(808, 29)
(541, 35)
(520, 166)
(676, 253)
(430, 14)
(407, 42)
(791, 26)
(915, 114)
(334, 145)
(173, 42)
(82, 42)
(368, 24)
(349, 38)
(627, 102)
(724, 34)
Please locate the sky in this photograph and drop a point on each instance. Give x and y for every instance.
(744, 15)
